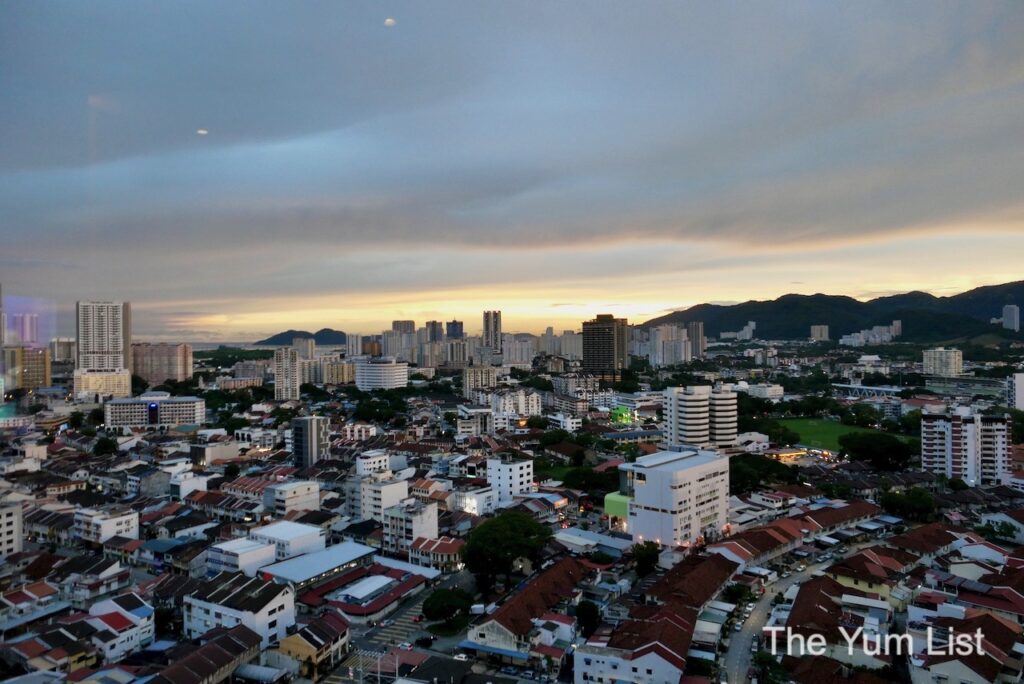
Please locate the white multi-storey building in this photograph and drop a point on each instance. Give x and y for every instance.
(478, 377)
(967, 445)
(700, 416)
(373, 461)
(492, 331)
(819, 333)
(476, 500)
(509, 477)
(668, 345)
(133, 628)
(227, 600)
(1015, 391)
(104, 331)
(282, 498)
(305, 347)
(97, 525)
(240, 555)
(678, 497)
(516, 402)
(154, 410)
(286, 374)
(290, 538)
(407, 521)
(947, 363)
(1011, 317)
(382, 373)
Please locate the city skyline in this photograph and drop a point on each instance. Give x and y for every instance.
(336, 169)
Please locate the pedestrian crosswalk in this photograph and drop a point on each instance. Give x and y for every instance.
(359, 661)
(401, 628)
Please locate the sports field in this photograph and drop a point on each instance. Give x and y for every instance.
(822, 434)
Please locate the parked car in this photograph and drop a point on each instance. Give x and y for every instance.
(405, 646)
(461, 656)
(737, 627)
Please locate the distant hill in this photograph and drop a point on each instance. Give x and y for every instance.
(925, 317)
(324, 336)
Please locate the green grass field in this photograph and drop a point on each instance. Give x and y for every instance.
(822, 434)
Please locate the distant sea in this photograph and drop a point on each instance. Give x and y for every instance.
(206, 346)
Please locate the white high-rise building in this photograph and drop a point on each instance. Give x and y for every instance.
(286, 374)
(700, 416)
(1011, 317)
(508, 477)
(353, 345)
(305, 347)
(678, 497)
(478, 377)
(570, 345)
(382, 373)
(668, 345)
(947, 363)
(1015, 391)
(104, 331)
(819, 333)
(311, 439)
(407, 521)
(967, 445)
(104, 337)
(492, 331)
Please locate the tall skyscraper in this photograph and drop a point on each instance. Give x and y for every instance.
(454, 330)
(104, 338)
(606, 345)
(156, 363)
(435, 331)
(1011, 317)
(698, 342)
(305, 347)
(492, 331)
(286, 374)
(104, 335)
(947, 363)
(668, 345)
(310, 440)
(819, 333)
(403, 326)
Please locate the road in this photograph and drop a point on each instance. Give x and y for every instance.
(738, 658)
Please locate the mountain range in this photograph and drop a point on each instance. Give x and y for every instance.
(925, 317)
(324, 336)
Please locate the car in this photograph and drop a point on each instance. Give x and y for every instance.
(801, 567)
(509, 670)
(723, 677)
(785, 574)
(738, 627)
(528, 674)
(386, 623)
(405, 646)
(461, 657)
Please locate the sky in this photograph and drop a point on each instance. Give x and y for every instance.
(239, 168)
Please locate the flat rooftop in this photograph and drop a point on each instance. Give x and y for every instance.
(286, 529)
(241, 545)
(307, 566)
(673, 460)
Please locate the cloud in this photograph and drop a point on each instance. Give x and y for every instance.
(494, 146)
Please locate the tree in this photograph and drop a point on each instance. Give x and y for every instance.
(916, 504)
(881, 451)
(646, 555)
(958, 485)
(493, 547)
(537, 422)
(76, 420)
(231, 471)
(446, 604)
(105, 445)
(96, 416)
(588, 616)
(139, 384)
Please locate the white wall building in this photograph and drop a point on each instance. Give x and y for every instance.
(282, 498)
(11, 524)
(677, 496)
(227, 600)
(382, 373)
(286, 374)
(966, 445)
(700, 416)
(290, 538)
(947, 363)
(240, 555)
(407, 521)
(97, 525)
(509, 477)
(154, 410)
(478, 377)
(311, 439)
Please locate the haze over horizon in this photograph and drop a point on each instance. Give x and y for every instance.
(238, 169)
